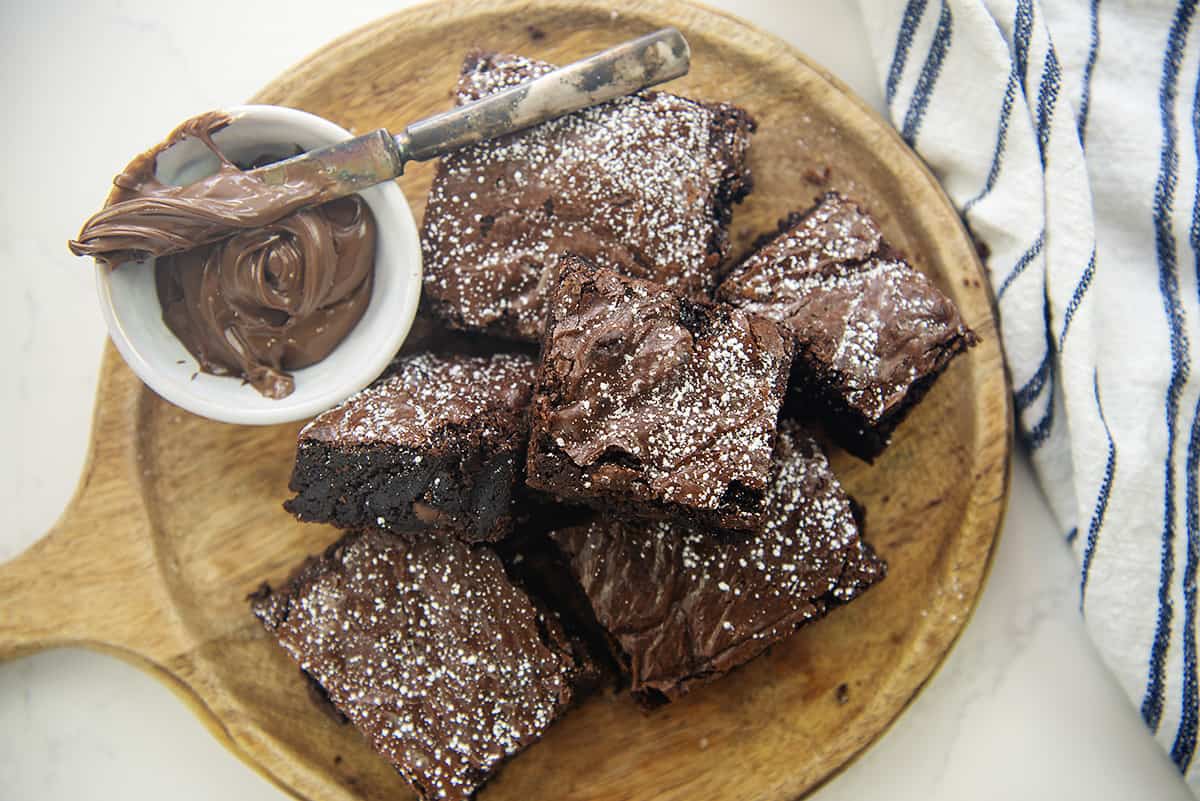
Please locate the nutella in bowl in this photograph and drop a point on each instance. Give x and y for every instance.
(272, 299)
(300, 302)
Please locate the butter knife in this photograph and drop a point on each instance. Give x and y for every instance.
(364, 161)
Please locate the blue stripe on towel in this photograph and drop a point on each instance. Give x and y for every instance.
(1047, 99)
(1085, 99)
(1026, 258)
(1022, 32)
(1039, 432)
(1022, 26)
(1184, 746)
(1185, 738)
(1081, 288)
(1027, 394)
(1168, 282)
(1097, 521)
(929, 75)
(1006, 105)
(914, 12)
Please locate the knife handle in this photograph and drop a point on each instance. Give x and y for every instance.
(616, 72)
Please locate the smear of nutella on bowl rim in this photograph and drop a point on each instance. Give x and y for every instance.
(145, 218)
(278, 295)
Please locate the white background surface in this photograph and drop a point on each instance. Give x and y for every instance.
(1022, 708)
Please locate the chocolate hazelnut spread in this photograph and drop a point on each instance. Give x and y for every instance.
(277, 295)
(275, 298)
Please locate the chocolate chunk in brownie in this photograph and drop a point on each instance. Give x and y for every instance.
(438, 445)
(643, 185)
(872, 333)
(652, 405)
(445, 666)
(683, 606)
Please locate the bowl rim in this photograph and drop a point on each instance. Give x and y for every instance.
(296, 406)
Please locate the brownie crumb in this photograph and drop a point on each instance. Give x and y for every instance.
(820, 177)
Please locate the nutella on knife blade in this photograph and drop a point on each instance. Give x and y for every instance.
(284, 285)
(145, 218)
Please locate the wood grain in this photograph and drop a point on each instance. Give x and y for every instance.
(177, 518)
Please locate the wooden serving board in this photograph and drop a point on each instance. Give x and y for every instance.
(177, 518)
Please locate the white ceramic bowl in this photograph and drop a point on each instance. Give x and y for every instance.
(131, 309)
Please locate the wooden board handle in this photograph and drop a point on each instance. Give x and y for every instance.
(59, 592)
(92, 579)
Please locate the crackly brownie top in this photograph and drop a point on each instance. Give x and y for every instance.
(425, 393)
(688, 393)
(641, 184)
(710, 602)
(428, 648)
(857, 308)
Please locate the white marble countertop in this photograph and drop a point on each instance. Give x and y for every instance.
(1023, 708)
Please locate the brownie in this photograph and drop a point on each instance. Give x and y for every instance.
(437, 445)
(683, 606)
(445, 666)
(652, 405)
(643, 185)
(872, 333)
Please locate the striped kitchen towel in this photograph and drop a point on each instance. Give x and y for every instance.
(1067, 132)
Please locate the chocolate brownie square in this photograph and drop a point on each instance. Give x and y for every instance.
(437, 445)
(643, 185)
(683, 606)
(872, 333)
(443, 664)
(652, 405)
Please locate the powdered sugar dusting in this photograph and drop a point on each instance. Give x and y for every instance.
(430, 651)
(641, 185)
(425, 394)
